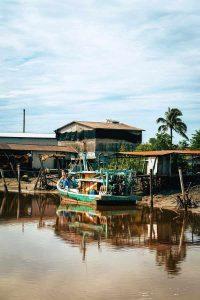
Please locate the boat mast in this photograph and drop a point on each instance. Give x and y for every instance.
(106, 182)
(85, 164)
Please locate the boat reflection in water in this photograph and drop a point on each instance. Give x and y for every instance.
(50, 251)
(164, 232)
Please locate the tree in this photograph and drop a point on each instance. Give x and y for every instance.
(173, 122)
(183, 145)
(144, 147)
(162, 141)
(195, 140)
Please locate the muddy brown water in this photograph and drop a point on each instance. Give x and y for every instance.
(129, 254)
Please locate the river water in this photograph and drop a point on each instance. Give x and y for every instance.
(108, 253)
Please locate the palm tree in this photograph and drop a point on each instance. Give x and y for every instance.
(173, 122)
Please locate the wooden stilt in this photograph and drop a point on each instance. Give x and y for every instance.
(151, 187)
(18, 206)
(19, 178)
(2, 205)
(10, 163)
(182, 187)
(4, 181)
(38, 178)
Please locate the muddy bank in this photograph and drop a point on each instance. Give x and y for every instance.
(26, 187)
(166, 201)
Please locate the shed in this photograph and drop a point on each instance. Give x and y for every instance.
(160, 160)
(29, 155)
(26, 138)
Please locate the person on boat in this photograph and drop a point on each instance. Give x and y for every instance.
(64, 181)
(102, 190)
(74, 183)
(92, 192)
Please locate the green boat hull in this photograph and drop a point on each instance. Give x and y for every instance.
(78, 197)
(104, 199)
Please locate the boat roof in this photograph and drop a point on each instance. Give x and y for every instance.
(91, 179)
(84, 172)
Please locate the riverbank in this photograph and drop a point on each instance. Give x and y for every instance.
(27, 187)
(162, 201)
(166, 201)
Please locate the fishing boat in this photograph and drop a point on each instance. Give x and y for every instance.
(99, 187)
(105, 187)
(87, 186)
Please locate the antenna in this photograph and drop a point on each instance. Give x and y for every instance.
(24, 120)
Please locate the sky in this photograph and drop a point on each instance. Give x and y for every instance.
(128, 60)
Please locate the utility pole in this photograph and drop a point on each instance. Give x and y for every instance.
(24, 120)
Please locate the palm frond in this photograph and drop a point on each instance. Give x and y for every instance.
(184, 135)
(176, 112)
(161, 120)
(163, 128)
(180, 126)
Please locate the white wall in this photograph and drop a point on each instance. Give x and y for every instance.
(152, 164)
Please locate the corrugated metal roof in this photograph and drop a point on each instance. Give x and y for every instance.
(21, 147)
(160, 152)
(104, 125)
(28, 135)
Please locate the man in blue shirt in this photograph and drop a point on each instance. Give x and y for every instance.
(64, 181)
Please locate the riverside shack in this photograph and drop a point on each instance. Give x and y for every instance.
(99, 138)
(166, 162)
(29, 156)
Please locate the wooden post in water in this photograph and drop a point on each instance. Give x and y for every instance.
(3, 204)
(182, 186)
(181, 182)
(18, 206)
(151, 187)
(151, 225)
(4, 181)
(182, 234)
(19, 178)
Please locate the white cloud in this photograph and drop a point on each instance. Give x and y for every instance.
(97, 59)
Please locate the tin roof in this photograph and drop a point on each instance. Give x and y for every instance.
(104, 125)
(28, 135)
(21, 147)
(160, 152)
